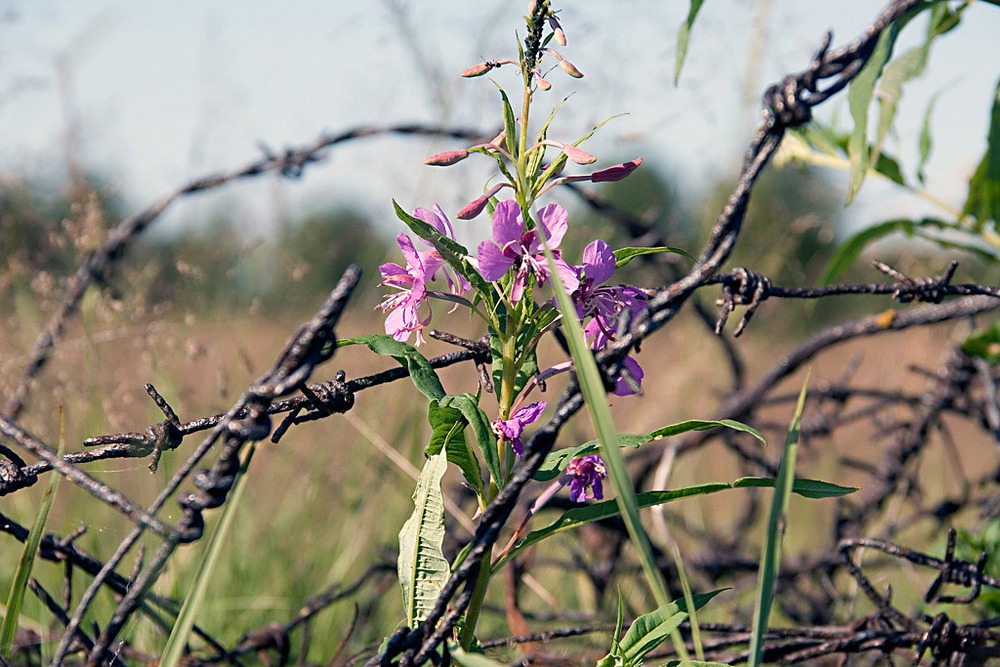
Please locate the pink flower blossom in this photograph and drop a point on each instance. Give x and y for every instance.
(403, 307)
(513, 247)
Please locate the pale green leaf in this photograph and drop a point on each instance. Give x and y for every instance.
(684, 36)
(422, 567)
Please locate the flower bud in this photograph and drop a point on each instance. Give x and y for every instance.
(476, 206)
(447, 158)
(499, 140)
(566, 65)
(615, 173)
(575, 154)
(542, 83)
(557, 31)
(477, 70)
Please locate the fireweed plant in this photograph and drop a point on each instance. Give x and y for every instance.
(508, 283)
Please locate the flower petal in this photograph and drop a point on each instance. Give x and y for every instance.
(598, 261)
(508, 225)
(634, 371)
(493, 264)
(554, 220)
(529, 413)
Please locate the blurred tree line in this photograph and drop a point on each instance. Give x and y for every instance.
(46, 227)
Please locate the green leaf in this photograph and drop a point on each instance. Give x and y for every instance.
(684, 36)
(453, 252)
(557, 461)
(926, 142)
(851, 249)
(509, 124)
(807, 488)
(983, 202)
(650, 630)
(859, 96)
(448, 433)
(423, 569)
(422, 374)
(474, 416)
(770, 557)
(578, 516)
(19, 584)
(175, 649)
(625, 255)
(985, 344)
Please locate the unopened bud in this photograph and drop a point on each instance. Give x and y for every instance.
(476, 206)
(499, 140)
(477, 70)
(615, 173)
(447, 158)
(566, 65)
(575, 154)
(557, 31)
(542, 83)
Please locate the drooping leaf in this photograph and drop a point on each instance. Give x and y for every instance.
(684, 36)
(474, 416)
(448, 432)
(650, 630)
(422, 374)
(625, 255)
(557, 461)
(422, 567)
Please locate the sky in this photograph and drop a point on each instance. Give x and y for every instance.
(150, 95)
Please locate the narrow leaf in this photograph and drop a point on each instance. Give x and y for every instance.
(15, 597)
(466, 404)
(684, 36)
(422, 374)
(173, 652)
(859, 96)
(557, 461)
(578, 516)
(770, 557)
(423, 569)
(625, 255)
(807, 488)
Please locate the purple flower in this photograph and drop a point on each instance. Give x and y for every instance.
(585, 475)
(511, 429)
(604, 304)
(513, 247)
(404, 306)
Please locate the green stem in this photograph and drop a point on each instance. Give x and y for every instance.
(476, 604)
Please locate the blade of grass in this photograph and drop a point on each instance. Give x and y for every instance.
(15, 597)
(173, 652)
(770, 557)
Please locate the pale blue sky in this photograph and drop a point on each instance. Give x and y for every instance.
(166, 91)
